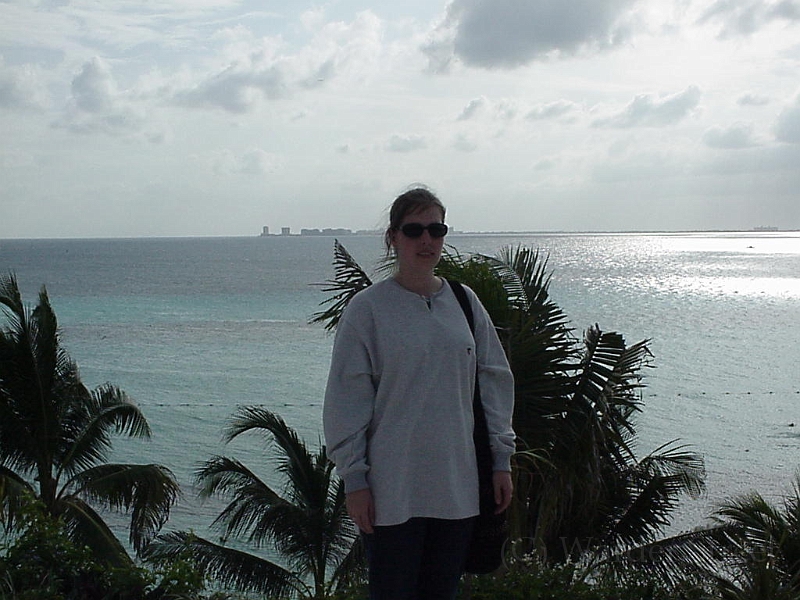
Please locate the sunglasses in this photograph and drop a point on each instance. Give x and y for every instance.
(415, 230)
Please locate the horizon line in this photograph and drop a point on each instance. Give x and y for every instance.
(337, 232)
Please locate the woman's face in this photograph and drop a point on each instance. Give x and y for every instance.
(423, 253)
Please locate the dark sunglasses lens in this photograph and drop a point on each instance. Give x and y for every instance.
(437, 230)
(412, 230)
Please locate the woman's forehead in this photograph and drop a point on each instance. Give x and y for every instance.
(429, 213)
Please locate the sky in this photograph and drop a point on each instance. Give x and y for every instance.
(126, 118)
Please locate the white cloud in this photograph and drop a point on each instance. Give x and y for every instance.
(256, 69)
(406, 143)
(551, 110)
(787, 128)
(746, 17)
(510, 33)
(464, 143)
(734, 137)
(647, 110)
(22, 87)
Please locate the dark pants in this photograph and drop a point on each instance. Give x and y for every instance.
(421, 559)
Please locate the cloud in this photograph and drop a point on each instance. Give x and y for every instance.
(511, 33)
(93, 88)
(787, 127)
(545, 164)
(268, 69)
(472, 109)
(735, 137)
(22, 88)
(506, 110)
(648, 111)
(406, 143)
(464, 143)
(97, 105)
(750, 99)
(252, 162)
(745, 17)
(552, 110)
(235, 89)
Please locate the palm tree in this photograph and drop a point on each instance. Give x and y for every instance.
(579, 485)
(55, 436)
(306, 522)
(763, 546)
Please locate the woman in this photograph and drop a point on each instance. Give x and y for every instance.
(398, 412)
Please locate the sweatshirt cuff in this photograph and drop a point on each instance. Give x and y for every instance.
(502, 462)
(355, 481)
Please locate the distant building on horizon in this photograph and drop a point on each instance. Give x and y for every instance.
(328, 231)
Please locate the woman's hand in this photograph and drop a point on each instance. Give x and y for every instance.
(503, 490)
(361, 509)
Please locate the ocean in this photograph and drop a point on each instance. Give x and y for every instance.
(191, 328)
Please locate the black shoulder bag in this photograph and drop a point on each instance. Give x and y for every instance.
(491, 530)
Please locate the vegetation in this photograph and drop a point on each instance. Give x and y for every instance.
(43, 563)
(55, 436)
(306, 522)
(761, 559)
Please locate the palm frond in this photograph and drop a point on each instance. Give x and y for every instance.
(352, 569)
(10, 297)
(231, 568)
(252, 503)
(524, 275)
(86, 527)
(653, 488)
(147, 491)
(307, 478)
(349, 279)
(691, 556)
(14, 490)
(88, 426)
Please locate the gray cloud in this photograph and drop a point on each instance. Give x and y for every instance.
(235, 90)
(752, 100)
(510, 33)
(648, 111)
(252, 162)
(463, 143)
(472, 109)
(406, 143)
(96, 105)
(735, 137)
(745, 17)
(787, 128)
(93, 88)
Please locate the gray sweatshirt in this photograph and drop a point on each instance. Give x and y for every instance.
(398, 404)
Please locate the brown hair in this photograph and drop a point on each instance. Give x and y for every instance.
(407, 203)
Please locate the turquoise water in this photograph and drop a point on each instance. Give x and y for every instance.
(192, 328)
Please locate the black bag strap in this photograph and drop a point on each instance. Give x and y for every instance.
(466, 305)
(480, 434)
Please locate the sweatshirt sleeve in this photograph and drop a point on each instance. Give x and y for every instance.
(497, 387)
(348, 406)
